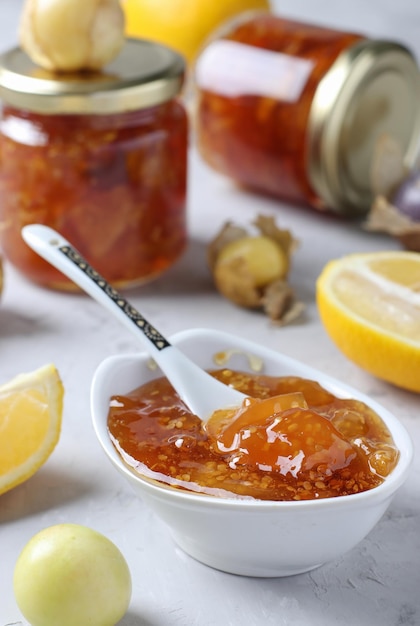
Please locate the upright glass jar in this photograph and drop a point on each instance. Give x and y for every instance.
(100, 157)
(298, 110)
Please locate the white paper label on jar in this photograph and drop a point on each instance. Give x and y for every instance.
(235, 69)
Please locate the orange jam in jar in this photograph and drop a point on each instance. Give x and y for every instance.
(291, 440)
(297, 111)
(101, 158)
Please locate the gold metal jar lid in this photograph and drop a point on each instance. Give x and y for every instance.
(144, 74)
(371, 91)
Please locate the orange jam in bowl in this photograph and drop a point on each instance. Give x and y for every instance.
(291, 440)
(101, 158)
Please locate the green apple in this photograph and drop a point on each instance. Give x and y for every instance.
(71, 575)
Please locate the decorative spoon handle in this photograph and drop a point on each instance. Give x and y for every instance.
(202, 393)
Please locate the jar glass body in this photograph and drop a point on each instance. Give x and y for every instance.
(113, 184)
(253, 111)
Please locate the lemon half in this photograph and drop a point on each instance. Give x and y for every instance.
(31, 407)
(369, 304)
(182, 24)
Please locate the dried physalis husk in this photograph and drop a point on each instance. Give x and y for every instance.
(386, 218)
(280, 304)
(72, 35)
(251, 269)
(389, 174)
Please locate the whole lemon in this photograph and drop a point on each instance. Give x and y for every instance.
(182, 24)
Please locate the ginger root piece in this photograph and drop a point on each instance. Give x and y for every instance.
(251, 269)
(72, 35)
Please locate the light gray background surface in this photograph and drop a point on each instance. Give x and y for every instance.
(378, 583)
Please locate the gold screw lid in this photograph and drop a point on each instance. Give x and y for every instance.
(143, 75)
(371, 91)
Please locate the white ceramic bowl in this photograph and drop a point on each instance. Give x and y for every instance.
(250, 537)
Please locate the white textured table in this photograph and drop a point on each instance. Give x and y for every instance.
(378, 583)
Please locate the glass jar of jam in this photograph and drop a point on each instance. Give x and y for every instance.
(100, 157)
(297, 111)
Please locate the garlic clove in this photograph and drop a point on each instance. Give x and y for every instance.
(71, 35)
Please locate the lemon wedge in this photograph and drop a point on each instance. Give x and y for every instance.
(31, 407)
(369, 304)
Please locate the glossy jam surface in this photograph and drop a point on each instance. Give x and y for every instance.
(261, 140)
(114, 185)
(291, 440)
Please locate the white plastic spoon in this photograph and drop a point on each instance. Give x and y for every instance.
(202, 393)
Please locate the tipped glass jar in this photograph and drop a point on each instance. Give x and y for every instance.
(298, 111)
(101, 157)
